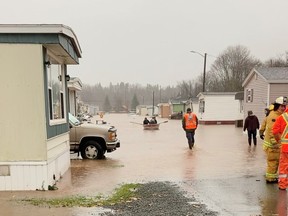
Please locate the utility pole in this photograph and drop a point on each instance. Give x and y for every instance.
(204, 71)
(153, 105)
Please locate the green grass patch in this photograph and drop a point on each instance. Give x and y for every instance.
(124, 193)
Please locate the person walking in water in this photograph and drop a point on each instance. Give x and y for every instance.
(251, 125)
(190, 124)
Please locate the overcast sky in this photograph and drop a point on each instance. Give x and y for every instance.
(149, 41)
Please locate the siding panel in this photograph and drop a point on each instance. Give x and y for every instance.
(277, 90)
(260, 97)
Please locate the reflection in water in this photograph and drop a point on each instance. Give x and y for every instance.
(189, 165)
(275, 201)
(251, 152)
(282, 203)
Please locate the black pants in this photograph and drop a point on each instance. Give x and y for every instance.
(252, 133)
(190, 136)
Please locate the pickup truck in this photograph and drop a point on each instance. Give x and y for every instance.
(92, 141)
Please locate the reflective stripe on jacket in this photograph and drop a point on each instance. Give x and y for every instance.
(284, 137)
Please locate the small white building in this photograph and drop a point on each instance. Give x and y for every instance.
(34, 126)
(74, 85)
(146, 110)
(218, 108)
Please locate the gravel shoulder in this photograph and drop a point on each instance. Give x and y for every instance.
(160, 198)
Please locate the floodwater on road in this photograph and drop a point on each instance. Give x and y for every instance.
(221, 170)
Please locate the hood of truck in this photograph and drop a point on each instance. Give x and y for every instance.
(90, 130)
(97, 127)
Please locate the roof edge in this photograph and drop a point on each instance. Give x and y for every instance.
(43, 28)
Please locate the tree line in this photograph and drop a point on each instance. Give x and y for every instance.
(226, 74)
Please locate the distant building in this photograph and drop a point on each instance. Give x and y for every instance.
(74, 85)
(147, 110)
(164, 110)
(218, 108)
(178, 105)
(262, 86)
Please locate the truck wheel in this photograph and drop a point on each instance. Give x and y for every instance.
(91, 150)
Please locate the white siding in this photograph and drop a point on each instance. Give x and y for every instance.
(260, 97)
(34, 175)
(195, 108)
(72, 102)
(220, 108)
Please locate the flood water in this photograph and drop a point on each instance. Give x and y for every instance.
(221, 170)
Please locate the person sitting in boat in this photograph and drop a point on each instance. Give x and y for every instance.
(153, 120)
(146, 121)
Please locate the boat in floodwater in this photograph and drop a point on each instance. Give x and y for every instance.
(151, 126)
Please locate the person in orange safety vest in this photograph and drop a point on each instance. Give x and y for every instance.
(190, 124)
(280, 131)
(270, 145)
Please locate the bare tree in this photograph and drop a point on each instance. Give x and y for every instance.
(190, 89)
(231, 68)
(279, 61)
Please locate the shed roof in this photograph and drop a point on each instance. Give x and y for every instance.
(216, 93)
(239, 96)
(75, 84)
(269, 74)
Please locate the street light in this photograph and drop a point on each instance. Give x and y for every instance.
(204, 71)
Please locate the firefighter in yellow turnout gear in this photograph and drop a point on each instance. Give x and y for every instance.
(270, 145)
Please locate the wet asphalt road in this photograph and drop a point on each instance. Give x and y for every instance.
(221, 171)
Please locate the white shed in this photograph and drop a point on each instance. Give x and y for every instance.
(218, 108)
(34, 127)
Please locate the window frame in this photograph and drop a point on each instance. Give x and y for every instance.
(61, 94)
(202, 106)
(249, 95)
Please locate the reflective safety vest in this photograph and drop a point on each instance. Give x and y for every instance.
(190, 121)
(284, 137)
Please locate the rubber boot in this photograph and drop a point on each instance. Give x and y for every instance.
(190, 144)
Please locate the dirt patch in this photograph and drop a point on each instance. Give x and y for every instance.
(159, 198)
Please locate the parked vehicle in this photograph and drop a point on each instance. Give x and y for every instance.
(92, 141)
(178, 115)
(84, 117)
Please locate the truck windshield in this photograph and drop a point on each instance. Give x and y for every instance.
(73, 120)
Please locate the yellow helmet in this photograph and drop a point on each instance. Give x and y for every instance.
(271, 107)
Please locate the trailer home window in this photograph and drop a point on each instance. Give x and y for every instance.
(249, 95)
(55, 73)
(201, 106)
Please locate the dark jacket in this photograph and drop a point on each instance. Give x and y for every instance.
(146, 121)
(251, 123)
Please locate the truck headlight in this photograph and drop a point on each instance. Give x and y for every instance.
(112, 136)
